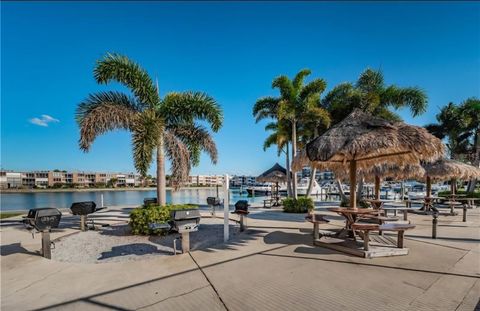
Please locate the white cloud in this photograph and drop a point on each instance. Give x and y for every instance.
(43, 120)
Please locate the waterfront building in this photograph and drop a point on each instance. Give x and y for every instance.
(205, 180)
(65, 179)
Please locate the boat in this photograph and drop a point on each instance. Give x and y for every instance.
(259, 190)
(417, 192)
(302, 187)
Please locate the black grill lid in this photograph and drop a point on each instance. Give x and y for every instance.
(185, 214)
(83, 208)
(213, 201)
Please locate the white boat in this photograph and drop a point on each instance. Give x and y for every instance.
(259, 190)
(302, 187)
(417, 192)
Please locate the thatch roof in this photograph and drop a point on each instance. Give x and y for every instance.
(445, 169)
(388, 171)
(275, 174)
(372, 141)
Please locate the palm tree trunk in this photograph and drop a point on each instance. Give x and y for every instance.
(313, 172)
(343, 197)
(161, 180)
(294, 153)
(289, 179)
(476, 161)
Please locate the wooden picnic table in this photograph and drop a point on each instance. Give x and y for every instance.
(395, 209)
(377, 204)
(351, 216)
(470, 202)
(452, 205)
(428, 202)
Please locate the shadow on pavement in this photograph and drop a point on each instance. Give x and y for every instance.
(15, 248)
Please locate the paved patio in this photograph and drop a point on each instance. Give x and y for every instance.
(272, 266)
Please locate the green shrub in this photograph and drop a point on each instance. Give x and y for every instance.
(300, 205)
(142, 217)
(475, 194)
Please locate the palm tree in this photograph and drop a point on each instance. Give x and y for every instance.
(297, 102)
(166, 125)
(371, 95)
(460, 125)
(280, 137)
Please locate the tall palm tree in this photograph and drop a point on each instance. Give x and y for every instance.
(280, 136)
(371, 95)
(460, 125)
(297, 101)
(168, 126)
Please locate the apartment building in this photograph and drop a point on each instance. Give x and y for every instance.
(242, 180)
(56, 178)
(205, 180)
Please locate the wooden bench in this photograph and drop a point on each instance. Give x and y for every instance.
(395, 209)
(270, 202)
(316, 220)
(366, 228)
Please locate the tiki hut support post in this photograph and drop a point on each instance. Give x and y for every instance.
(453, 186)
(353, 184)
(377, 187)
(429, 186)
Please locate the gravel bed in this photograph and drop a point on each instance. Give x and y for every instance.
(116, 243)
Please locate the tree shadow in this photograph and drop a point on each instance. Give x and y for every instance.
(15, 248)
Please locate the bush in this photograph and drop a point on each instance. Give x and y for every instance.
(475, 194)
(142, 217)
(300, 205)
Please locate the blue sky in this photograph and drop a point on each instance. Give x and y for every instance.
(230, 50)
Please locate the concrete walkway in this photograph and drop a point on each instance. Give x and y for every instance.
(272, 266)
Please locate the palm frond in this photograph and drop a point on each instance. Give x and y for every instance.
(285, 86)
(316, 86)
(179, 156)
(266, 107)
(370, 81)
(189, 106)
(272, 126)
(146, 132)
(412, 97)
(299, 78)
(197, 139)
(102, 112)
(120, 68)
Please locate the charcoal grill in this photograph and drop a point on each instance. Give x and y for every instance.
(185, 221)
(149, 201)
(43, 220)
(213, 202)
(241, 209)
(83, 209)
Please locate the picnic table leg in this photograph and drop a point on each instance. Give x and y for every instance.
(400, 239)
(405, 215)
(366, 239)
(316, 234)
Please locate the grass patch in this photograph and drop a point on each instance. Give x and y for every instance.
(10, 214)
(475, 194)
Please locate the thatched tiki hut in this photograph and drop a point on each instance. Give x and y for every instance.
(276, 174)
(362, 141)
(445, 169)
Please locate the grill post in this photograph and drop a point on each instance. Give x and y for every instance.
(242, 224)
(226, 203)
(434, 225)
(464, 212)
(185, 242)
(83, 222)
(46, 246)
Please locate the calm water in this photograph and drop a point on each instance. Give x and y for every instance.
(25, 201)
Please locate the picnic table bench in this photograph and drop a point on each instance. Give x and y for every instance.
(366, 228)
(271, 202)
(316, 220)
(400, 209)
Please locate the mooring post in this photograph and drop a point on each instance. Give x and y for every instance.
(46, 246)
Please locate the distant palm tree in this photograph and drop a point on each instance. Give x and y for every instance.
(297, 102)
(280, 136)
(166, 125)
(371, 95)
(460, 125)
